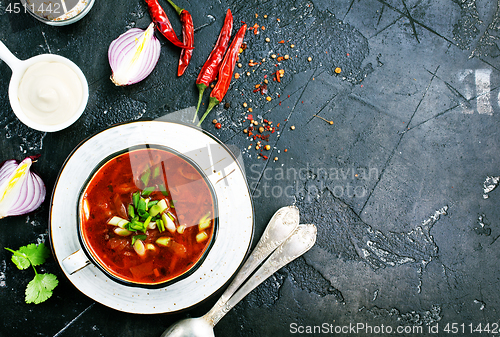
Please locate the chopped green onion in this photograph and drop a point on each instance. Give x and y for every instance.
(163, 189)
(122, 231)
(168, 222)
(159, 224)
(154, 210)
(163, 241)
(136, 197)
(152, 203)
(172, 204)
(148, 190)
(138, 237)
(117, 221)
(156, 172)
(136, 226)
(145, 177)
(131, 211)
(202, 236)
(139, 247)
(171, 216)
(146, 223)
(205, 222)
(162, 204)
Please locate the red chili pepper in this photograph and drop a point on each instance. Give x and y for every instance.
(162, 23)
(187, 37)
(211, 67)
(225, 72)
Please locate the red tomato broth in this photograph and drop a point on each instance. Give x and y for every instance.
(110, 191)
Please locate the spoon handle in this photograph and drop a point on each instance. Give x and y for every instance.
(280, 227)
(297, 244)
(9, 58)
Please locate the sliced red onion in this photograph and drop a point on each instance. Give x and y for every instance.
(21, 190)
(133, 55)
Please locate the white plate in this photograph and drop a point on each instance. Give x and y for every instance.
(236, 220)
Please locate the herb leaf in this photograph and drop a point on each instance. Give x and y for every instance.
(40, 288)
(20, 261)
(36, 254)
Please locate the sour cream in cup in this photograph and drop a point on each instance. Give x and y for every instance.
(46, 92)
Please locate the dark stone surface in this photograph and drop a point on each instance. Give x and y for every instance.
(395, 185)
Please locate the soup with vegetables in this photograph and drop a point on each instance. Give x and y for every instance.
(147, 216)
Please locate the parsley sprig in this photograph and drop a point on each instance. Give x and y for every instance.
(40, 288)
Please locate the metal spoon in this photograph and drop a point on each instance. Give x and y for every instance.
(297, 244)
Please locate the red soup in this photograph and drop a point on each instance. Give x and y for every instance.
(147, 216)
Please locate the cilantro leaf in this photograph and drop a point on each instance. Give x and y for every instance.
(36, 254)
(40, 288)
(20, 260)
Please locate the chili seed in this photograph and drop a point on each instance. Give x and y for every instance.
(267, 147)
(257, 147)
(245, 105)
(227, 105)
(236, 75)
(292, 46)
(250, 110)
(265, 16)
(214, 121)
(218, 126)
(266, 81)
(268, 98)
(338, 70)
(286, 150)
(287, 57)
(268, 39)
(255, 123)
(240, 50)
(309, 59)
(263, 60)
(275, 158)
(261, 129)
(245, 131)
(292, 127)
(240, 65)
(273, 56)
(248, 73)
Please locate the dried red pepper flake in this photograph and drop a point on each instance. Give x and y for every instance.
(250, 117)
(282, 41)
(218, 125)
(265, 157)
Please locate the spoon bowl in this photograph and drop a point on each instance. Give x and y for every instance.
(197, 326)
(19, 68)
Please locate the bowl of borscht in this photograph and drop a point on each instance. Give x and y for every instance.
(151, 216)
(147, 216)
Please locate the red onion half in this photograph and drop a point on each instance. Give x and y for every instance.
(133, 55)
(21, 191)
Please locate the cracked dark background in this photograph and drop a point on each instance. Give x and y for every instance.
(401, 186)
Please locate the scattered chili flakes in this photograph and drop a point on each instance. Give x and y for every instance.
(282, 41)
(218, 125)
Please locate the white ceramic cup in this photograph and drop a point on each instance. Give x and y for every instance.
(19, 67)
